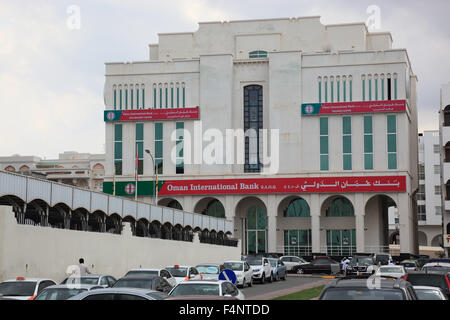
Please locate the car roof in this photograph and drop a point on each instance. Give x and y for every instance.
(235, 261)
(200, 297)
(126, 290)
(362, 283)
(208, 264)
(78, 286)
(437, 263)
(139, 278)
(204, 281)
(427, 288)
(29, 280)
(180, 266)
(146, 269)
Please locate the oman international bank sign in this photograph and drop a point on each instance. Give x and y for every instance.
(152, 114)
(313, 109)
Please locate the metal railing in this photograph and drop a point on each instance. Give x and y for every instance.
(342, 250)
(295, 250)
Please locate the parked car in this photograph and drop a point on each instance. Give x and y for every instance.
(382, 258)
(152, 273)
(262, 270)
(200, 297)
(430, 293)
(278, 269)
(391, 271)
(64, 291)
(291, 261)
(120, 294)
(318, 265)
(361, 266)
(103, 280)
(410, 265)
(209, 271)
(243, 271)
(436, 266)
(431, 279)
(151, 283)
(23, 288)
(357, 289)
(182, 273)
(207, 288)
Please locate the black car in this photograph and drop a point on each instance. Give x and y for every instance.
(359, 289)
(151, 283)
(318, 265)
(361, 266)
(431, 279)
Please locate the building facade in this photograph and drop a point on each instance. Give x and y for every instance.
(77, 169)
(429, 196)
(303, 134)
(444, 128)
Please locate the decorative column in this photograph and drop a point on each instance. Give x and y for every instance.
(315, 223)
(359, 223)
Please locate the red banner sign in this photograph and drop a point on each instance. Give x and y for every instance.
(285, 185)
(152, 114)
(310, 109)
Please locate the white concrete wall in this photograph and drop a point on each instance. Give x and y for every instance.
(45, 252)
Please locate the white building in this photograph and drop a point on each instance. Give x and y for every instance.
(429, 198)
(83, 170)
(444, 128)
(343, 102)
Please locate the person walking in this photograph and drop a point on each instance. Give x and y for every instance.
(345, 263)
(84, 270)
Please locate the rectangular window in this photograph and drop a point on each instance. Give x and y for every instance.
(438, 210)
(350, 84)
(126, 99)
(167, 96)
(437, 169)
(368, 143)
(389, 88)
(326, 91)
(178, 97)
(143, 98)
(395, 89)
(347, 142)
(115, 99)
(180, 147)
(118, 149)
(332, 90)
(140, 147)
(137, 98)
(184, 97)
(392, 141)
(436, 148)
(160, 97)
(363, 90)
(320, 91)
(120, 99)
(437, 190)
(344, 91)
(382, 88)
(171, 96)
(421, 172)
(370, 89)
(376, 89)
(159, 147)
(338, 83)
(324, 161)
(421, 212)
(154, 97)
(421, 192)
(131, 99)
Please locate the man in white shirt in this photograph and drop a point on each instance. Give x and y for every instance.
(84, 270)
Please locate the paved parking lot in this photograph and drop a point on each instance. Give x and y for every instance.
(292, 284)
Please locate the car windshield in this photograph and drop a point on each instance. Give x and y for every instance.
(17, 288)
(208, 269)
(428, 294)
(408, 264)
(255, 262)
(58, 294)
(204, 289)
(273, 263)
(142, 273)
(81, 280)
(431, 280)
(382, 258)
(235, 266)
(178, 272)
(362, 294)
(134, 283)
(391, 269)
(361, 260)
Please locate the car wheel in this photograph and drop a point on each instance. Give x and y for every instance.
(263, 278)
(271, 277)
(284, 277)
(251, 282)
(300, 271)
(277, 277)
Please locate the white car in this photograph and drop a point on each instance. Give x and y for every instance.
(243, 271)
(209, 271)
(152, 273)
(262, 270)
(183, 273)
(429, 293)
(24, 288)
(436, 266)
(291, 261)
(391, 271)
(207, 288)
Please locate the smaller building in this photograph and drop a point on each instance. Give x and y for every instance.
(82, 170)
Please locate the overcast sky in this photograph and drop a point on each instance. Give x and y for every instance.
(52, 75)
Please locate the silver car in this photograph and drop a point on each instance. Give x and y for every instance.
(64, 291)
(120, 294)
(103, 280)
(209, 271)
(429, 293)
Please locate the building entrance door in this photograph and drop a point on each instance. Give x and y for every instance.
(256, 230)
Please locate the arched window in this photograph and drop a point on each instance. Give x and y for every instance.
(447, 116)
(257, 54)
(175, 205)
(297, 208)
(253, 122)
(340, 207)
(215, 209)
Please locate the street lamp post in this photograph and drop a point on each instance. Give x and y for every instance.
(154, 173)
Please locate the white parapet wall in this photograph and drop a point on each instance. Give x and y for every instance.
(31, 251)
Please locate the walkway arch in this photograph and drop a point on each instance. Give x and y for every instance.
(423, 239)
(113, 223)
(437, 241)
(211, 207)
(376, 221)
(170, 203)
(142, 226)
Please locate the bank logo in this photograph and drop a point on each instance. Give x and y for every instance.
(110, 116)
(309, 109)
(130, 188)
